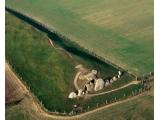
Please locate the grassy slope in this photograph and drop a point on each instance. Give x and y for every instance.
(138, 109)
(48, 74)
(121, 31)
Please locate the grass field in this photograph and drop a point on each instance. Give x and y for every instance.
(119, 31)
(48, 72)
(139, 108)
(45, 71)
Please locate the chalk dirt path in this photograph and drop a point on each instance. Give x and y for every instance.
(75, 80)
(59, 48)
(131, 83)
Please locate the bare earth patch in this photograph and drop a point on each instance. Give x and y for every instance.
(13, 90)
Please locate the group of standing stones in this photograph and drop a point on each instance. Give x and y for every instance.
(93, 83)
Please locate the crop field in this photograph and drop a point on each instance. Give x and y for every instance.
(118, 31)
(48, 72)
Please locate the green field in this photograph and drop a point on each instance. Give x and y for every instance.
(39, 65)
(48, 72)
(119, 31)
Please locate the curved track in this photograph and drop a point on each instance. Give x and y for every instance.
(131, 83)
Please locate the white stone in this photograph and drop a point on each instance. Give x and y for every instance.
(119, 73)
(99, 84)
(80, 92)
(90, 87)
(119, 76)
(111, 81)
(72, 95)
(94, 72)
(106, 83)
(79, 66)
(114, 78)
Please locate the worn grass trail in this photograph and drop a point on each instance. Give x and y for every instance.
(124, 86)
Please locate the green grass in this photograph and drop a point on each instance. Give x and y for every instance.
(110, 97)
(120, 31)
(49, 73)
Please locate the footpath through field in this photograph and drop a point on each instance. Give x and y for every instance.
(75, 80)
(131, 83)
